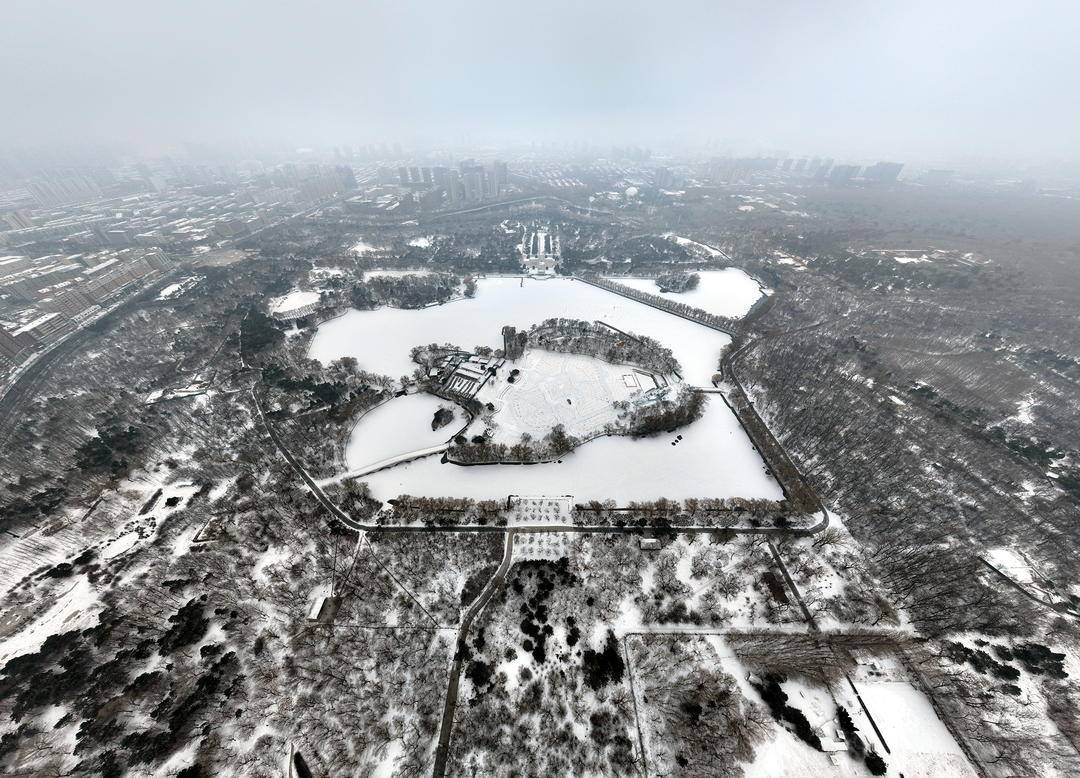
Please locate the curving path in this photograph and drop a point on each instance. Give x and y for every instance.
(446, 727)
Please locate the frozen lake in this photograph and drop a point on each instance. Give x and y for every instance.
(397, 427)
(382, 339)
(727, 292)
(713, 459)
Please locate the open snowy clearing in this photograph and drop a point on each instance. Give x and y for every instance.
(178, 288)
(72, 609)
(920, 744)
(714, 458)
(293, 300)
(397, 273)
(1011, 563)
(574, 390)
(169, 291)
(397, 427)
(695, 247)
(909, 260)
(360, 248)
(382, 339)
(729, 292)
(1016, 566)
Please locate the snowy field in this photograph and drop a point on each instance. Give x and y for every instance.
(169, 291)
(293, 300)
(74, 608)
(397, 427)
(360, 248)
(729, 292)
(382, 339)
(1019, 568)
(178, 288)
(695, 247)
(574, 390)
(714, 458)
(395, 273)
(920, 744)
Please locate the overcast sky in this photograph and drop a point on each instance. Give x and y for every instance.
(860, 78)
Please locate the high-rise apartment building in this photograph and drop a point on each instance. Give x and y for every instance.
(883, 172)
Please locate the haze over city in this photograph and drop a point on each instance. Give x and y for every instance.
(918, 80)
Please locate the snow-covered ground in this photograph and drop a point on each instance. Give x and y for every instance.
(382, 339)
(909, 260)
(783, 755)
(1019, 568)
(322, 272)
(360, 248)
(76, 530)
(293, 300)
(75, 608)
(397, 427)
(919, 743)
(168, 291)
(727, 292)
(548, 545)
(396, 273)
(1024, 409)
(177, 288)
(422, 242)
(695, 247)
(386, 766)
(714, 458)
(1011, 563)
(574, 390)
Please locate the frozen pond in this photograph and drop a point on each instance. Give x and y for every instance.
(713, 459)
(397, 427)
(728, 292)
(382, 339)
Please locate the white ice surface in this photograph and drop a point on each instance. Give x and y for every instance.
(728, 292)
(399, 426)
(382, 339)
(714, 458)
